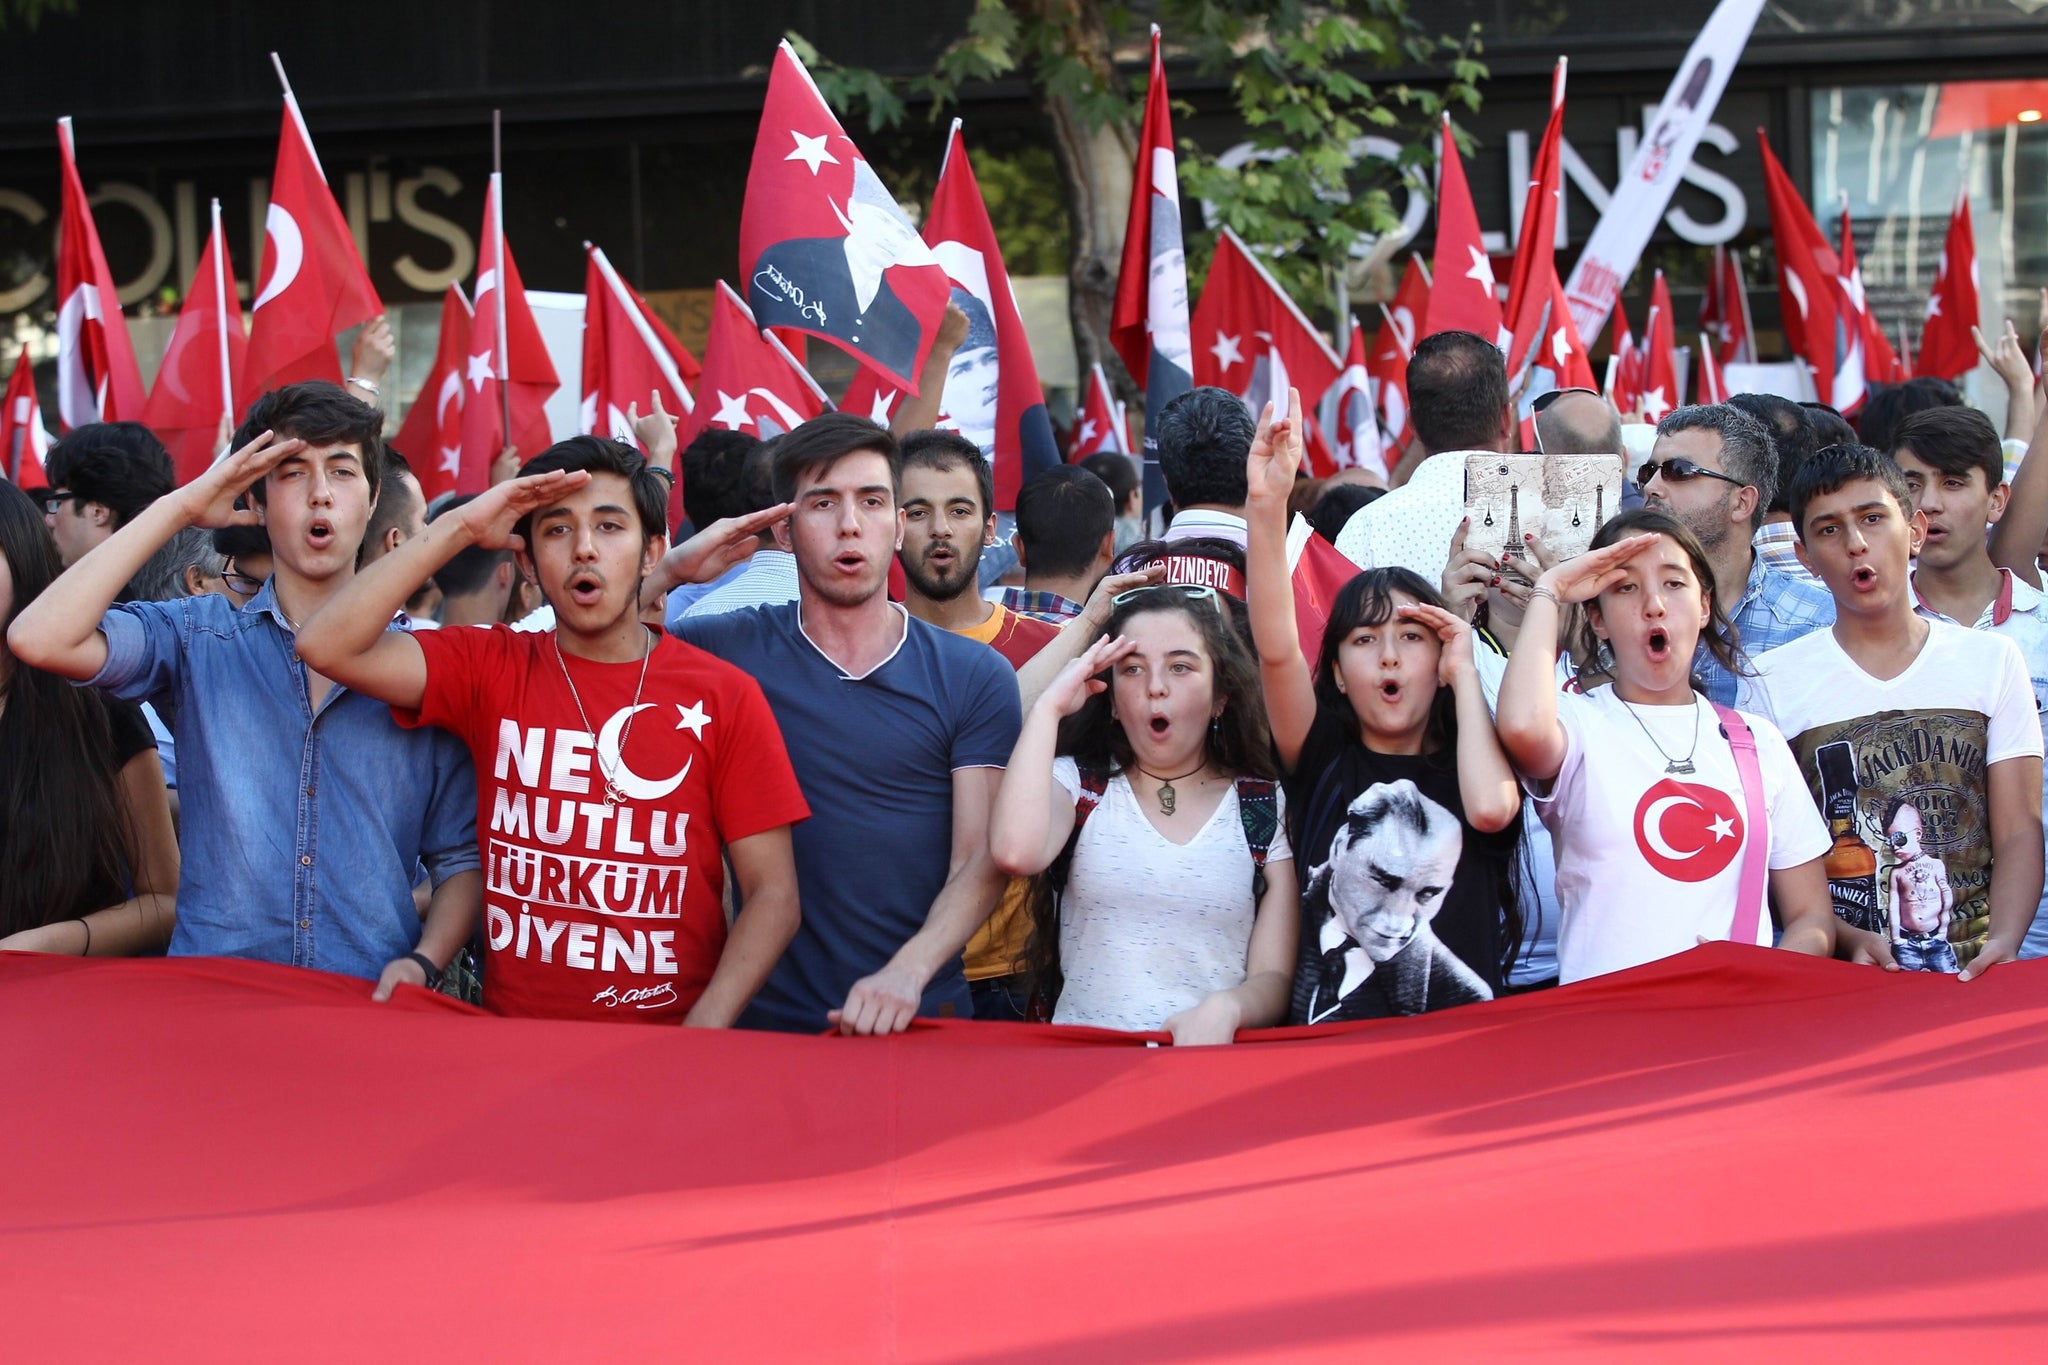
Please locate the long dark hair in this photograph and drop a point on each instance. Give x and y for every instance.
(1240, 743)
(1723, 641)
(63, 831)
(1368, 600)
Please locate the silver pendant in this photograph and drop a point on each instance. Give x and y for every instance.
(1166, 798)
(1680, 766)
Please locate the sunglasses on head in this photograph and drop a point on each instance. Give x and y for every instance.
(1194, 592)
(1542, 401)
(1678, 469)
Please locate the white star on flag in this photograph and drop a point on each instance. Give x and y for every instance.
(1723, 828)
(878, 411)
(1560, 347)
(811, 150)
(1226, 351)
(693, 719)
(732, 411)
(1482, 269)
(479, 371)
(1653, 404)
(451, 460)
(1087, 431)
(1934, 305)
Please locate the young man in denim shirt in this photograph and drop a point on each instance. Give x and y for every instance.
(307, 810)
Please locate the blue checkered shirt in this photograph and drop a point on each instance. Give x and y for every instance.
(1040, 606)
(1773, 544)
(1776, 609)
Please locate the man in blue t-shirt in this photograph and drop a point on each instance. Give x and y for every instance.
(898, 732)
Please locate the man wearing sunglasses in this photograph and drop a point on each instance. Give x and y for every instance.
(1714, 469)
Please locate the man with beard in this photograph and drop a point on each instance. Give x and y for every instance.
(948, 518)
(1714, 469)
(898, 733)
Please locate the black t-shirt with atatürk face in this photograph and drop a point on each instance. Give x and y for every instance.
(1402, 901)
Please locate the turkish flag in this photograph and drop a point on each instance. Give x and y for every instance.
(1529, 308)
(992, 394)
(824, 247)
(202, 369)
(24, 440)
(1625, 364)
(1395, 344)
(97, 379)
(431, 439)
(1947, 349)
(1724, 309)
(1256, 343)
(1461, 295)
(1319, 572)
(1880, 362)
(1658, 367)
(1349, 416)
(1149, 322)
(505, 348)
(314, 286)
(1713, 385)
(1559, 360)
(1101, 424)
(750, 383)
(626, 362)
(1811, 301)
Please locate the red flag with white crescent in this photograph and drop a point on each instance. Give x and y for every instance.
(202, 367)
(1462, 290)
(1394, 344)
(1101, 423)
(1252, 340)
(313, 286)
(505, 348)
(751, 382)
(24, 440)
(431, 439)
(97, 378)
(1947, 349)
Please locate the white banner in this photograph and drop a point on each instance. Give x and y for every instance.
(1645, 188)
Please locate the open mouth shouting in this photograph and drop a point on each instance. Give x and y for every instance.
(1390, 692)
(1863, 578)
(585, 587)
(320, 533)
(1160, 726)
(1658, 643)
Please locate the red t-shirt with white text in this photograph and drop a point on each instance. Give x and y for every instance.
(593, 912)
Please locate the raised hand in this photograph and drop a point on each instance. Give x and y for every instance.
(1592, 573)
(1452, 631)
(1077, 682)
(1111, 586)
(1276, 455)
(1468, 574)
(505, 465)
(721, 545)
(370, 358)
(656, 432)
(210, 499)
(490, 516)
(2006, 356)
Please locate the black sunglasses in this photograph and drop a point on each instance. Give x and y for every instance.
(1678, 469)
(53, 503)
(1544, 400)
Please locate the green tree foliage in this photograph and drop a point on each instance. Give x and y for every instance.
(1298, 79)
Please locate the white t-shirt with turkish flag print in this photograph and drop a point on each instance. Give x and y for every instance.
(1649, 862)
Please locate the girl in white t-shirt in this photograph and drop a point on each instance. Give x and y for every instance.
(1636, 781)
(1165, 921)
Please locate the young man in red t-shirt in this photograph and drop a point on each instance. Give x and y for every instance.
(617, 767)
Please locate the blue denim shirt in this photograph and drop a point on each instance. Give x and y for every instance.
(301, 833)
(1775, 609)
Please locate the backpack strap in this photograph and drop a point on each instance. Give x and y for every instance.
(1258, 809)
(1749, 898)
(1094, 782)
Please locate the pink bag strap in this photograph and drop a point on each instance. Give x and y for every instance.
(1749, 898)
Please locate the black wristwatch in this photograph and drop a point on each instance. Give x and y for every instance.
(433, 972)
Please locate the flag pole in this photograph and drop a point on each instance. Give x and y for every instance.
(503, 358)
(220, 306)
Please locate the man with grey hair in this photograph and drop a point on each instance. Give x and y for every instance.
(1714, 469)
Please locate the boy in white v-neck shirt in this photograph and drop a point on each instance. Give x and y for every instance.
(1888, 710)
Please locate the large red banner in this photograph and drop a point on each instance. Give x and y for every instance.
(1736, 1153)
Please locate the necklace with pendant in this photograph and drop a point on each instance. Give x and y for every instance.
(1167, 796)
(612, 794)
(1680, 766)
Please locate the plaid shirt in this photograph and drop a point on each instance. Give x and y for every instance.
(1773, 544)
(1040, 606)
(1776, 609)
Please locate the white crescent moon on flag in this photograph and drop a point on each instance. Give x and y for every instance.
(451, 389)
(287, 252)
(614, 763)
(782, 410)
(1653, 826)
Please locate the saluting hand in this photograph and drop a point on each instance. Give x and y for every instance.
(209, 500)
(490, 516)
